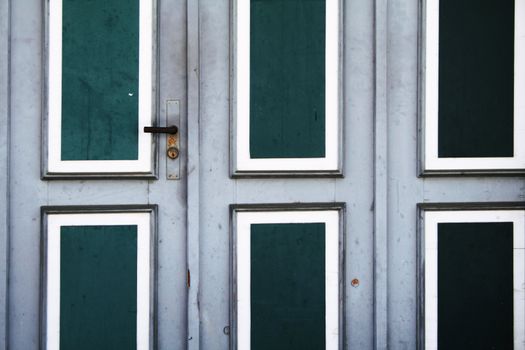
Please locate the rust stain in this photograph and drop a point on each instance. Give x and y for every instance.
(172, 146)
(172, 140)
(355, 282)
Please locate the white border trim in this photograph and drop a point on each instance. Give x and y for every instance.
(242, 107)
(54, 222)
(431, 87)
(431, 220)
(144, 162)
(244, 221)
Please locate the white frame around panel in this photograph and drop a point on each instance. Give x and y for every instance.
(430, 75)
(144, 163)
(144, 270)
(243, 240)
(241, 105)
(431, 220)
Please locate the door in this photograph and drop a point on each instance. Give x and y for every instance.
(287, 175)
(98, 228)
(307, 203)
(399, 192)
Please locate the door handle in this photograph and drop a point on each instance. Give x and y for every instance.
(172, 129)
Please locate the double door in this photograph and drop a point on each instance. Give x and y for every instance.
(286, 211)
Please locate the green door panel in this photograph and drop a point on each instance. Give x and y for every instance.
(475, 286)
(288, 286)
(100, 79)
(287, 78)
(98, 287)
(476, 78)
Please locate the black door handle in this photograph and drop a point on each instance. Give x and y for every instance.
(172, 129)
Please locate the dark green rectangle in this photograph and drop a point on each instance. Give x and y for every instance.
(287, 78)
(476, 78)
(475, 286)
(100, 79)
(288, 286)
(98, 287)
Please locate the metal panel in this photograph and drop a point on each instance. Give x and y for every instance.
(172, 141)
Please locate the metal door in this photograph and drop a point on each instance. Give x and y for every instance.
(38, 194)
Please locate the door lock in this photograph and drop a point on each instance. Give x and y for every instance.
(172, 131)
(173, 152)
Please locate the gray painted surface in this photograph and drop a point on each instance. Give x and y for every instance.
(4, 166)
(380, 187)
(193, 177)
(218, 190)
(384, 92)
(405, 190)
(357, 188)
(381, 158)
(216, 187)
(28, 192)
